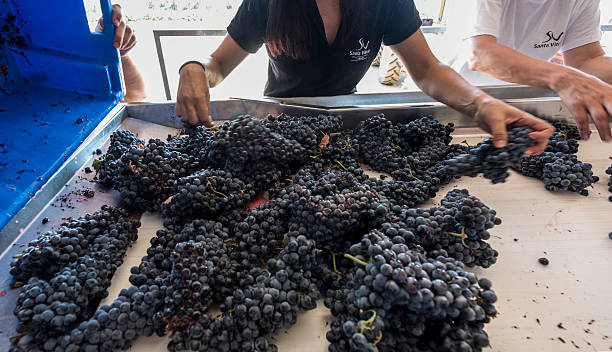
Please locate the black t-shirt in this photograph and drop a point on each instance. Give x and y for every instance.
(329, 70)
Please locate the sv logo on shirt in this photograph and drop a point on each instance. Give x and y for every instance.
(362, 52)
(551, 36)
(552, 41)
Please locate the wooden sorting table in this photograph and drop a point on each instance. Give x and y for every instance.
(575, 290)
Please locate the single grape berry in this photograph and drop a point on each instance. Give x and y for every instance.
(543, 261)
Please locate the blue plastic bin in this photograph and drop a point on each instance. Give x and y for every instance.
(57, 82)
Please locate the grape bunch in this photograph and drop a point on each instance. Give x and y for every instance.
(206, 194)
(224, 272)
(424, 131)
(53, 307)
(270, 303)
(261, 232)
(151, 174)
(492, 162)
(112, 327)
(111, 167)
(158, 264)
(191, 293)
(567, 130)
(566, 173)
(459, 226)
(331, 220)
(191, 141)
(378, 138)
(308, 131)
(559, 143)
(57, 299)
(50, 252)
(559, 172)
(400, 295)
(249, 150)
(336, 152)
(388, 147)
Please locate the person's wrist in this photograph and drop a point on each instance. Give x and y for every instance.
(480, 102)
(561, 79)
(193, 66)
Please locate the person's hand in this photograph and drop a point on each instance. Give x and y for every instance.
(193, 98)
(587, 96)
(496, 117)
(124, 39)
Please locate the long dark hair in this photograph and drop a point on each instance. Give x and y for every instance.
(287, 31)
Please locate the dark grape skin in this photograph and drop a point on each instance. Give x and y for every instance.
(558, 167)
(378, 303)
(492, 162)
(53, 302)
(543, 261)
(264, 266)
(559, 171)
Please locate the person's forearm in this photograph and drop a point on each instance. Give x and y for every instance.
(134, 84)
(447, 86)
(214, 73)
(510, 65)
(600, 67)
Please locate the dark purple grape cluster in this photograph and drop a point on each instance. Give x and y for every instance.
(52, 251)
(494, 163)
(567, 173)
(331, 219)
(54, 307)
(378, 138)
(559, 172)
(111, 167)
(145, 173)
(270, 303)
(459, 226)
(308, 131)
(567, 130)
(249, 150)
(261, 233)
(151, 174)
(423, 132)
(112, 327)
(58, 298)
(191, 293)
(191, 141)
(416, 145)
(339, 151)
(401, 295)
(559, 143)
(206, 194)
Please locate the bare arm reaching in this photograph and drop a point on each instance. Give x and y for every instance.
(584, 94)
(193, 98)
(444, 84)
(592, 59)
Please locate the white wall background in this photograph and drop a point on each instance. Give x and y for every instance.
(249, 78)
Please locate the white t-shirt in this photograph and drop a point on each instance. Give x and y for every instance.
(537, 28)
